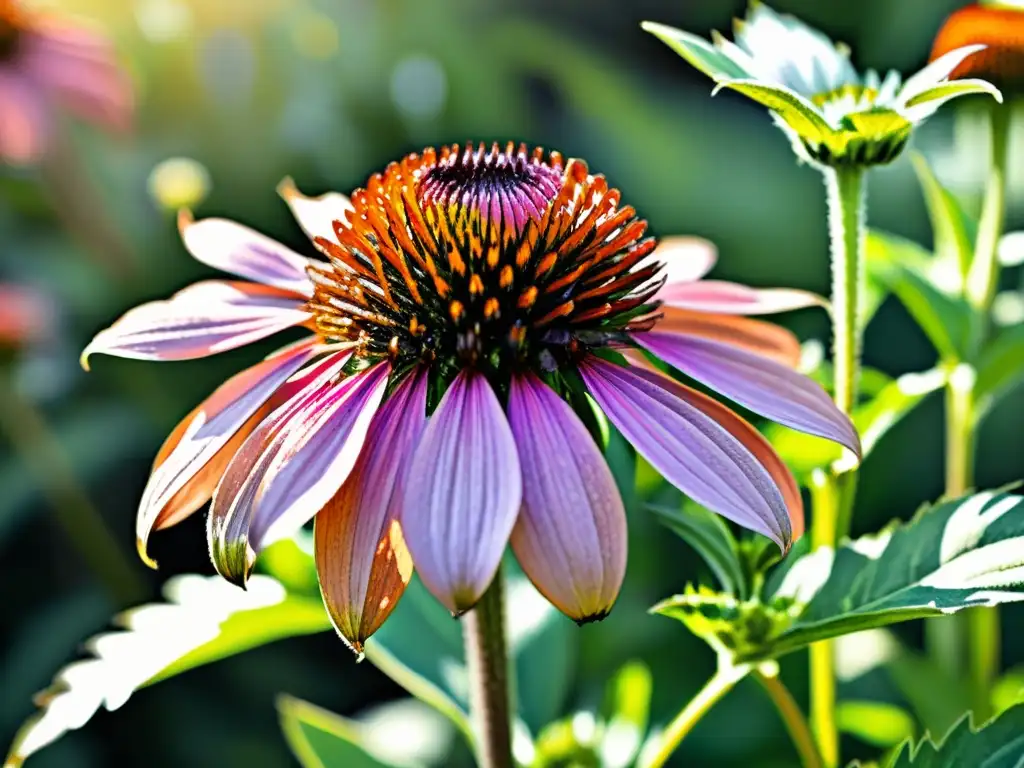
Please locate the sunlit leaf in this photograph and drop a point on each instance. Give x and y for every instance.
(796, 111)
(204, 619)
(998, 744)
(1008, 690)
(953, 231)
(874, 722)
(322, 739)
(708, 534)
(625, 714)
(963, 553)
(1000, 367)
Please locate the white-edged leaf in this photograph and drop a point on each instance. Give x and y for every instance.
(697, 51)
(204, 619)
(997, 744)
(708, 534)
(955, 555)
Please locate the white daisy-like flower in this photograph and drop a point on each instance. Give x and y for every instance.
(832, 114)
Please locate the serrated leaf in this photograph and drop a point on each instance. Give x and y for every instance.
(998, 744)
(953, 231)
(708, 534)
(322, 739)
(1000, 367)
(874, 722)
(963, 553)
(204, 619)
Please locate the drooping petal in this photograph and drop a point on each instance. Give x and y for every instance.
(201, 320)
(686, 259)
(291, 466)
(192, 456)
(316, 215)
(25, 128)
(691, 450)
(361, 558)
(755, 382)
(230, 247)
(754, 442)
(718, 296)
(462, 494)
(755, 336)
(570, 537)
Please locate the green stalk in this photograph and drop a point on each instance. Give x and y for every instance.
(833, 497)
(720, 684)
(983, 276)
(40, 450)
(487, 656)
(791, 715)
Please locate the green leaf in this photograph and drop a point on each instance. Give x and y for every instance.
(792, 108)
(204, 619)
(918, 677)
(708, 534)
(1008, 690)
(874, 722)
(1000, 367)
(625, 714)
(953, 231)
(998, 744)
(963, 553)
(697, 51)
(322, 739)
(904, 268)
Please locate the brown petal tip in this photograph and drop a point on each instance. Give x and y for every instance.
(592, 619)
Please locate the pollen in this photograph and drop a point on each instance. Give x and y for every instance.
(503, 257)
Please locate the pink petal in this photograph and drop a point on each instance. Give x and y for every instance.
(735, 299)
(570, 537)
(293, 464)
(361, 557)
(82, 74)
(230, 247)
(198, 441)
(25, 127)
(201, 320)
(316, 215)
(752, 335)
(692, 451)
(686, 259)
(755, 382)
(462, 494)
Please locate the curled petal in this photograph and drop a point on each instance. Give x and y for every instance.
(936, 71)
(686, 259)
(25, 128)
(192, 456)
(316, 215)
(718, 296)
(689, 448)
(754, 336)
(755, 382)
(570, 537)
(361, 558)
(463, 493)
(292, 464)
(201, 320)
(230, 247)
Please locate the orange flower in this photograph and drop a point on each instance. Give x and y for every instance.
(1000, 27)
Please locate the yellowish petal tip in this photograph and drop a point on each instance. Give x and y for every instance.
(83, 359)
(185, 219)
(286, 188)
(141, 547)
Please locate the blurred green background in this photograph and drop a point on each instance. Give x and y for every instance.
(329, 91)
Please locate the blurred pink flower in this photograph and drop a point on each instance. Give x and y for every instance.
(47, 63)
(469, 303)
(24, 316)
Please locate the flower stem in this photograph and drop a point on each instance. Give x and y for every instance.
(40, 450)
(794, 719)
(983, 276)
(834, 492)
(487, 656)
(720, 684)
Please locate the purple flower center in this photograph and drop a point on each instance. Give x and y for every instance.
(506, 188)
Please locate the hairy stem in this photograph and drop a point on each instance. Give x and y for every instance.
(487, 656)
(720, 684)
(40, 450)
(796, 723)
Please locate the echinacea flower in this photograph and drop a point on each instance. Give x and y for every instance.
(832, 114)
(46, 63)
(469, 302)
(999, 26)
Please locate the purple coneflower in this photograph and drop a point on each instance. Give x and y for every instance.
(469, 302)
(46, 62)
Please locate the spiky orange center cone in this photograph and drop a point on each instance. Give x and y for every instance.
(1001, 29)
